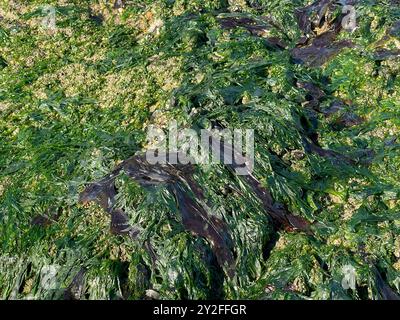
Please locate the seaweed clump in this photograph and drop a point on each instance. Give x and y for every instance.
(81, 218)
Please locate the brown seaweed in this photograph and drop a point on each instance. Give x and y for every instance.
(41, 221)
(311, 147)
(102, 192)
(347, 120)
(314, 94)
(76, 289)
(395, 30)
(47, 219)
(385, 292)
(313, 48)
(177, 179)
(386, 54)
(255, 28)
(120, 225)
(312, 16)
(196, 220)
(249, 24)
(194, 217)
(280, 217)
(335, 107)
(318, 54)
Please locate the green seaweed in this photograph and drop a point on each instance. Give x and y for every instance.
(77, 101)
